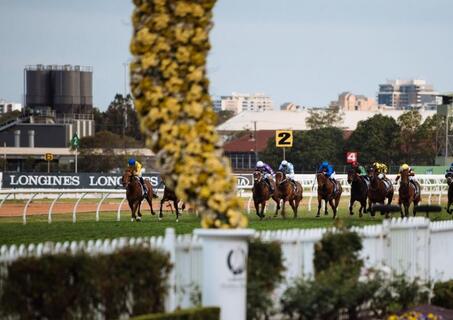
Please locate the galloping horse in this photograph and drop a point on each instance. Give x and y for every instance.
(134, 194)
(450, 192)
(408, 193)
(286, 192)
(380, 189)
(359, 191)
(326, 193)
(170, 195)
(261, 193)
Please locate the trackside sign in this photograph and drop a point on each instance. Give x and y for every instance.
(21, 180)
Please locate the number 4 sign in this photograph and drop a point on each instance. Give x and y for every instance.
(351, 157)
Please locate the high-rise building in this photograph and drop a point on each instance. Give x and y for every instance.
(405, 94)
(8, 106)
(238, 102)
(348, 101)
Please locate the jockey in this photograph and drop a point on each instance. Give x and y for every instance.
(403, 167)
(136, 169)
(265, 169)
(327, 169)
(359, 169)
(381, 169)
(449, 171)
(288, 169)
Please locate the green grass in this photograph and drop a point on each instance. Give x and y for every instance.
(12, 231)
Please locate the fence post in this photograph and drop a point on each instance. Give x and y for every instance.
(224, 268)
(170, 247)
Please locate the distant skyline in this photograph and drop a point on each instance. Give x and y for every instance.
(306, 52)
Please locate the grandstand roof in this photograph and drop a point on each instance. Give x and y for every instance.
(276, 120)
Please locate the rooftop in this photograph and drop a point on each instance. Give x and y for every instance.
(279, 120)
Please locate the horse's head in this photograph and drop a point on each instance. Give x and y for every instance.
(321, 179)
(257, 176)
(126, 179)
(404, 176)
(279, 177)
(352, 175)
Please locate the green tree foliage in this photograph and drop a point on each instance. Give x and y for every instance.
(339, 289)
(263, 278)
(120, 118)
(309, 149)
(129, 282)
(376, 139)
(9, 116)
(329, 117)
(223, 116)
(443, 294)
(107, 139)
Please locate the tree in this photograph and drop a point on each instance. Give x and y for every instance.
(409, 123)
(309, 149)
(330, 117)
(431, 137)
(376, 139)
(223, 116)
(120, 118)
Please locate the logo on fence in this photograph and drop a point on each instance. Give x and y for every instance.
(236, 261)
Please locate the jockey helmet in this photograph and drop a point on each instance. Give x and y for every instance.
(405, 166)
(325, 164)
(451, 165)
(131, 162)
(284, 163)
(260, 164)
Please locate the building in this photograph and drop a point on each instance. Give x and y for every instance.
(348, 101)
(7, 106)
(58, 105)
(406, 94)
(239, 102)
(289, 106)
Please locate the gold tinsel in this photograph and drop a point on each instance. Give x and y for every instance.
(169, 84)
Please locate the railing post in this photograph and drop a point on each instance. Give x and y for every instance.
(170, 247)
(118, 213)
(49, 218)
(24, 216)
(99, 205)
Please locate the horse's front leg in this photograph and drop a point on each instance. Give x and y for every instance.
(334, 207)
(175, 203)
(325, 207)
(319, 206)
(134, 211)
(448, 206)
(283, 208)
(351, 204)
(160, 210)
(277, 201)
(263, 206)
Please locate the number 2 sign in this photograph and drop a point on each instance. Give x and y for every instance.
(284, 138)
(351, 157)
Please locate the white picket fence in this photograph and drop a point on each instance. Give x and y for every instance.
(414, 247)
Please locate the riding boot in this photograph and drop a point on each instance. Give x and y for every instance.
(294, 185)
(270, 186)
(145, 191)
(334, 185)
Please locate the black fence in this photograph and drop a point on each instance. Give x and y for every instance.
(86, 180)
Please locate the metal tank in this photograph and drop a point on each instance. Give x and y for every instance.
(66, 89)
(37, 86)
(86, 90)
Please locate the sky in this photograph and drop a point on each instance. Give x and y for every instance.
(305, 52)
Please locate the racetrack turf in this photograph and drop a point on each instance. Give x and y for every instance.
(37, 229)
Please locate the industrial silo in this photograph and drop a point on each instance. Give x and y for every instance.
(86, 90)
(66, 89)
(37, 90)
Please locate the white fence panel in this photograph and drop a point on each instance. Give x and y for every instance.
(373, 244)
(441, 251)
(407, 246)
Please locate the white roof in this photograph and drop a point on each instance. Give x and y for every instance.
(278, 120)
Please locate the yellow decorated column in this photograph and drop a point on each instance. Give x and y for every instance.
(168, 81)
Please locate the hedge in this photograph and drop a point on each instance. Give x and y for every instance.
(443, 294)
(131, 281)
(209, 313)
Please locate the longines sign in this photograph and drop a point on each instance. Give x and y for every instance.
(87, 180)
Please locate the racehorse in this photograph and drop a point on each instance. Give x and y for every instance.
(359, 191)
(261, 193)
(170, 195)
(134, 194)
(380, 189)
(287, 192)
(408, 193)
(326, 193)
(450, 192)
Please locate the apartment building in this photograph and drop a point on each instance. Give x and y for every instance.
(239, 102)
(406, 94)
